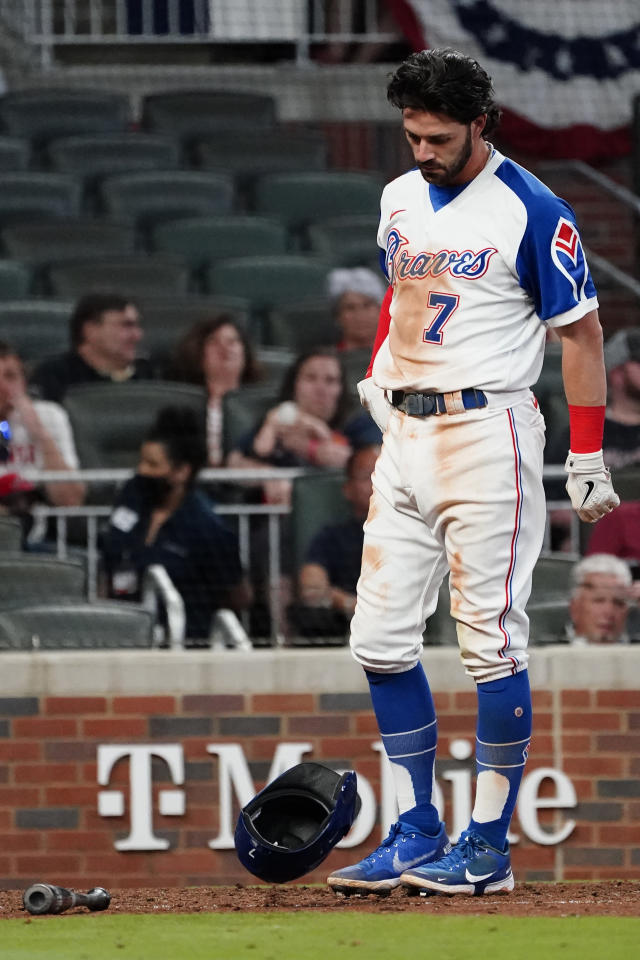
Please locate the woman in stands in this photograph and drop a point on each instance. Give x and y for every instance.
(161, 518)
(216, 354)
(310, 426)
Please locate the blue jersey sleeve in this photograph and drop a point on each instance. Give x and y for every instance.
(550, 263)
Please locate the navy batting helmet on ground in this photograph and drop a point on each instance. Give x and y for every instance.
(293, 824)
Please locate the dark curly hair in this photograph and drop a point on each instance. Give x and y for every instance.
(186, 364)
(182, 433)
(445, 81)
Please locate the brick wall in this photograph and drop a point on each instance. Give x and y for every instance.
(50, 828)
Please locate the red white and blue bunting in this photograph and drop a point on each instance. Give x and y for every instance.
(565, 71)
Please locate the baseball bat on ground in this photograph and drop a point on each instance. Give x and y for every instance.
(48, 898)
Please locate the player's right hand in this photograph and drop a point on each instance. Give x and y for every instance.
(374, 400)
(589, 486)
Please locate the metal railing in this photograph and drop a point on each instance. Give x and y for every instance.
(94, 515)
(301, 23)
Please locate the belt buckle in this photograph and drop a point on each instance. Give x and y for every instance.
(420, 404)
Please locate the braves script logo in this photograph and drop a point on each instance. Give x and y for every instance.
(568, 256)
(400, 265)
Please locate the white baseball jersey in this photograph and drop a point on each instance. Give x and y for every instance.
(477, 272)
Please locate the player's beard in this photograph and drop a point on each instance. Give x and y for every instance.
(443, 176)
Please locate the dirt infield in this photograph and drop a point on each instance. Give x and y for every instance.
(613, 898)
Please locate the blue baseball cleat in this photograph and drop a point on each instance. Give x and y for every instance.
(472, 867)
(380, 872)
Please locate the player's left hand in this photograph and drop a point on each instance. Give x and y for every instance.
(589, 486)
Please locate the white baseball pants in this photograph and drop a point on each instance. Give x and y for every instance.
(460, 492)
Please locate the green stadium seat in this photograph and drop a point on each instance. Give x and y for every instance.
(317, 500)
(280, 151)
(348, 241)
(36, 328)
(268, 281)
(301, 325)
(29, 196)
(242, 409)
(109, 420)
(27, 578)
(73, 238)
(15, 154)
(150, 197)
(77, 626)
(193, 114)
(101, 155)
(10, 534)
(300, 199)
(16, 280)
(135, 275)
(204, 240)
(547, 622)
(552, 578)
(42, 114)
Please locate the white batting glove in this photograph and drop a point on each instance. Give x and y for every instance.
(589, 486)
(374, 400)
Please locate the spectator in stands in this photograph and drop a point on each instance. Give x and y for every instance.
(34, 435)
(215, 354)
(161, 518)
(618, 533)
(310, 426)
(104, 332)
(601, 599)
(328, 577)
(356, 295)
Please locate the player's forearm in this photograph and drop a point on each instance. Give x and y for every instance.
(583, 370)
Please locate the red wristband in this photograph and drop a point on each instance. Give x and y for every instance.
(586, 425)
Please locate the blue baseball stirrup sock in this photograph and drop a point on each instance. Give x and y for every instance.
(502, 744)
(406, 717)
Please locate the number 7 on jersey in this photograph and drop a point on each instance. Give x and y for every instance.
(444, 304)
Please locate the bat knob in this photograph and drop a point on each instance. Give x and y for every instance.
(98, 898)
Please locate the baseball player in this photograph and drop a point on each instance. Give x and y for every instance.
(481, 257)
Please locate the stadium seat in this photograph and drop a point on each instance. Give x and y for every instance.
(299, 199)
(74, 238)
(41, 114)
(280, 151)
(151, 197)
(10, 533)
(135, 275)
(16, 280)
(203, 240)
(77, 626)
(348, 241)
(355, 363)
(27, 578)
(626, 481)
(94, 156)
(547, 621)
(15, 154)
(301, 325)
(317, 500)
(241, 411)
(166, 319)
(191, 114)
(31, 196)
(552, 578)
(268, 281)
(109, 420)
(35, 328)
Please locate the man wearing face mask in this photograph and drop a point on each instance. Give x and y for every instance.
(160, 518)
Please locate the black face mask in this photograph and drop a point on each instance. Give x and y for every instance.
(154, 489)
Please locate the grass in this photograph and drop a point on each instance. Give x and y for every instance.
(313, 936)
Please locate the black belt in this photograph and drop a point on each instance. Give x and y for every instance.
(426, 404)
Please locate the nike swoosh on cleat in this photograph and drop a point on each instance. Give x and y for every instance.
(401, 865)
(591, 485)
(472, 878)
